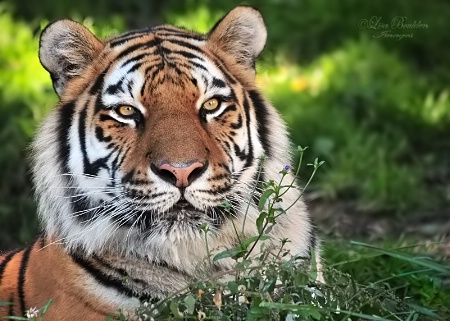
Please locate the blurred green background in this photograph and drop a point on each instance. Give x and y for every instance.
(374, 107)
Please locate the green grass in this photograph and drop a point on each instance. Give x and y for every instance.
(411, 270)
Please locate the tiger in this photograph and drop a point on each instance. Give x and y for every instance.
(154, 130)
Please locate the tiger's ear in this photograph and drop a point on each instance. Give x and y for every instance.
(241, 33)
(65, 49)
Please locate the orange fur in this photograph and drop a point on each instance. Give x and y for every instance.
(50, 274)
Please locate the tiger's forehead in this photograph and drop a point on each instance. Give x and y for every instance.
(160, 59)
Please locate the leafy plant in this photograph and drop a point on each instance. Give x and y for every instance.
(275, 286)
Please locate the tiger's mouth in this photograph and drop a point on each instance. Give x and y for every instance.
(183, 209)
(183, 212)
(183, 205)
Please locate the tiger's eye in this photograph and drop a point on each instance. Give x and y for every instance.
(126, 111)
(211, 104)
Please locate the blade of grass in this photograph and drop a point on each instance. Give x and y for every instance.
(406, 257)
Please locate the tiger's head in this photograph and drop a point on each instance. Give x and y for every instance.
(154, 131)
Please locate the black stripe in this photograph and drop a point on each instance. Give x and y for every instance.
(221, 65)
(259, 183)
(190, 64)
(116, 88)
(184, 54)
(238, 124)
(81, 206)
(122, 154)
(219, 83)
(240, 153)
(135, 47)
(145, 54)
(250, 156)
(134, 68)
(149, 72)
(98, 104)
(105, 117)
(11, 306)
(185, 44)
(262, 117)
(177, 32)
(98, 84)
(128, 36)
(128, 177)
(219, 190)
(5, 262)
(225, 167)
(82, 139)
(217, 177)
(66, 113)
(22, 275)
(226, 110)
(88, 167)
(95, 167)
(100, 135)
(101, 277)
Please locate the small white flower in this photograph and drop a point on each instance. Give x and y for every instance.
(242, 299)
(242, 288)
(31, 313)
(201, 315)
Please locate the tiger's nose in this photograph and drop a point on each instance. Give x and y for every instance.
(179, 175)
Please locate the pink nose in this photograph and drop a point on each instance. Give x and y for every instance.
(181, 176)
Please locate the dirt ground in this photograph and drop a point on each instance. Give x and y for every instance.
(344, 220)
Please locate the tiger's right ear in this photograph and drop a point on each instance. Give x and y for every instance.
(66, 48)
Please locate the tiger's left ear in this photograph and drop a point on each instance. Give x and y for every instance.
(66, 48)
(241, 33)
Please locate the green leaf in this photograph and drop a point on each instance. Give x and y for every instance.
(3, 304)
(252, 239)
(260, 221)
(234, 253)
(240, 250)
(45, 307)
(263, 199)
(424, 311)
(315, 314)
(285, 306)
(364, 316)
(269, 286)
(257, 311)
(233, 287)
(174, 309)
(190, 303)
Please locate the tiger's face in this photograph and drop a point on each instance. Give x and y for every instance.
(155, 130)
(161, 141)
